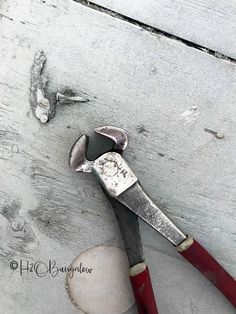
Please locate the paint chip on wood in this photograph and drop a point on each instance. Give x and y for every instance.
(190, 114)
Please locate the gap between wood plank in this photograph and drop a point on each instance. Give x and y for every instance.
(154, 30)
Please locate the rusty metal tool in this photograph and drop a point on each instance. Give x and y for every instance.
(120, 183)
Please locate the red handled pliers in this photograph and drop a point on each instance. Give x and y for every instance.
(122, 187)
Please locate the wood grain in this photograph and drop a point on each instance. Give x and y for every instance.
(211, 24)
(165, 94)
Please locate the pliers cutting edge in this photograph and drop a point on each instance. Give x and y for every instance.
(125, 192)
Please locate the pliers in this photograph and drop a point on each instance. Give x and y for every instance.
(122, 187)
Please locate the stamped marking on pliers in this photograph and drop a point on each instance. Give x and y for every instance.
(114, 173)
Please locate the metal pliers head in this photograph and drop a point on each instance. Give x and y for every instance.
(112, 171)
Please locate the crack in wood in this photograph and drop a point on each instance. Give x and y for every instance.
(154, 30)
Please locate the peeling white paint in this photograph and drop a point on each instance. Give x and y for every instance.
(190, 114)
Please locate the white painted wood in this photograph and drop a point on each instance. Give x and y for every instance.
(208, 23)
(164, 93)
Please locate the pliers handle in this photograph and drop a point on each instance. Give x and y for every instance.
(209, 267)
(142, 289)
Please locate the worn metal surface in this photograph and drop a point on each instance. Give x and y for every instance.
(130, 232)
(137, 200)
(113, 173)
(165, 94)
(111, 170)
(118, 136)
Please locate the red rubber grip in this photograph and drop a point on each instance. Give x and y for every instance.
(143, 293)
(212, 270)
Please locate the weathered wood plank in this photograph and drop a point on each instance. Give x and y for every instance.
(211, 24)
(165, 94)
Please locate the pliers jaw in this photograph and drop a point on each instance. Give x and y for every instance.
(120, 182)
(78, 155)
(110, 168)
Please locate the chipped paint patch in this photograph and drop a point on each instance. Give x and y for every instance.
(190, 114)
